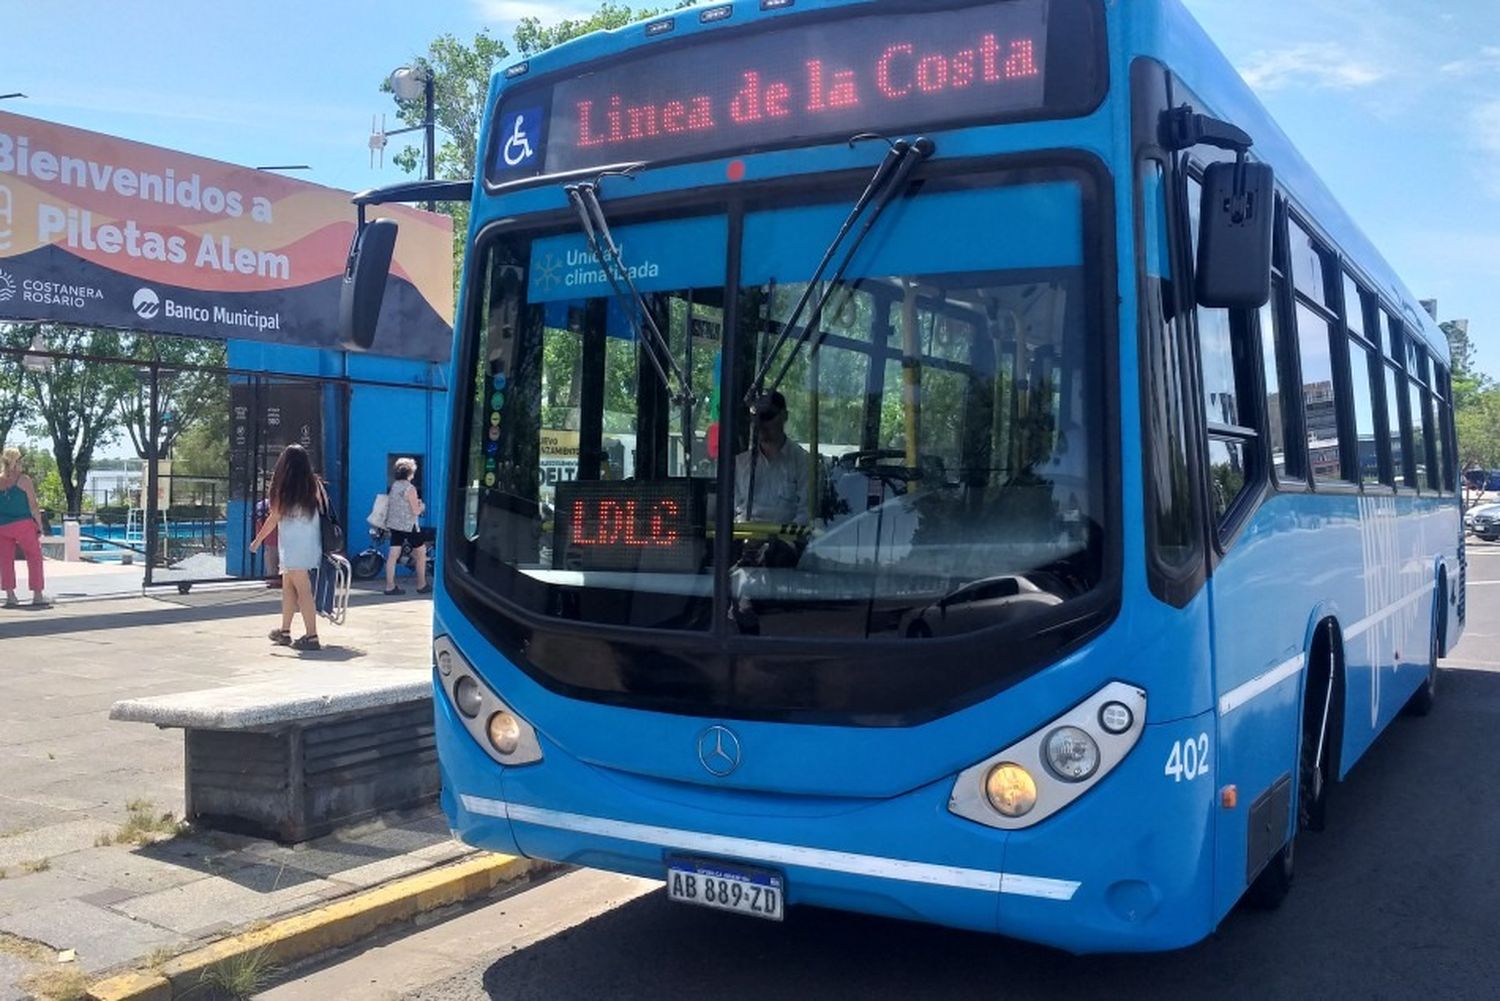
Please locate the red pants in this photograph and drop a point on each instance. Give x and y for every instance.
(23, 534)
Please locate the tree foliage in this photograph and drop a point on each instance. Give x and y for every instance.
(461, 74)
(76, 403)
(12, 381)
(186, 396)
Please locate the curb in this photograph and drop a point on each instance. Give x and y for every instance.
(331, 926)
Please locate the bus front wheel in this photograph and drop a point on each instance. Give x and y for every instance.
(1314, 756)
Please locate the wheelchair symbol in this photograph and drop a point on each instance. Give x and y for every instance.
(518, 147)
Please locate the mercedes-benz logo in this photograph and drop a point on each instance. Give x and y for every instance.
(719, 750)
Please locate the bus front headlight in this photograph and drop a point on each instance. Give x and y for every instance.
(1043, 772)
(1072, 754)
(497, 728)
(1011, 789)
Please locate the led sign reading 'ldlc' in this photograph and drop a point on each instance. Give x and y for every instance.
(818, 78)
(630, 525)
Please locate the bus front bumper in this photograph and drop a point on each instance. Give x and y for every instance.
(1114, 872)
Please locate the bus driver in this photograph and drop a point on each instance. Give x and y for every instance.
(779, 472)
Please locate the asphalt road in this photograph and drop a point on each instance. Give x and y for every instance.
(1399, 898)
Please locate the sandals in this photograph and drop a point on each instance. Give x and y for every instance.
(281, 637)
(308, 642)
(394, 591)
(425, 589)
(12, 602)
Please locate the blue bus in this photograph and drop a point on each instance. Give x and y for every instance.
(950, 460)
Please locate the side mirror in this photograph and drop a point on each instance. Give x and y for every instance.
(364, 283)
(1234, 238)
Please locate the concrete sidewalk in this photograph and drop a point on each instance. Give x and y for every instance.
(92, 864)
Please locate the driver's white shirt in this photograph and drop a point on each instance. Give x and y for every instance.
(780, 486)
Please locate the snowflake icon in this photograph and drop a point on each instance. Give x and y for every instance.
(549, 274)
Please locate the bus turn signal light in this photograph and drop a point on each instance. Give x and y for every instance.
(1229, 797)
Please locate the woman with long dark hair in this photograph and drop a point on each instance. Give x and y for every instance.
(297, 501)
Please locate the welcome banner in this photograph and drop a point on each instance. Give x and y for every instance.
(101, 231)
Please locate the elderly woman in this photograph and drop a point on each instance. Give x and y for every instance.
(20, 525)
(402, 513)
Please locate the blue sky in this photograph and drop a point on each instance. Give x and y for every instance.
(1396, 104)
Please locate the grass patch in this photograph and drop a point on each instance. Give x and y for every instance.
(25, 948)
(65, 984)
(142, 826)
(36, 865)
(157, 958)
(241, 976)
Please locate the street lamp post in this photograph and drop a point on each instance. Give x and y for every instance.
(7, 97)
(409, 83)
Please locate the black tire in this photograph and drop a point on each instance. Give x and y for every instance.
(1273, 884)
(367, 566)
(184, 588)
(1424, 698)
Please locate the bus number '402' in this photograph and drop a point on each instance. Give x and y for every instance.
(1189, 758)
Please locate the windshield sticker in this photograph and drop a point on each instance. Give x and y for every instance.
(659, 256)
(519, 147)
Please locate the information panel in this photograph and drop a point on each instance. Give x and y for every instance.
(821, 78)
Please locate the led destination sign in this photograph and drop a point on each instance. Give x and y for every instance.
(822, 78)
(631, 526)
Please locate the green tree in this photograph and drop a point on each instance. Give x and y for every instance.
(532, 36)
(186, 395)
(76, 403)
(461, 74)
(12, 380)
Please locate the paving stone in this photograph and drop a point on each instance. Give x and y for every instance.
(126, 870)
(20, 891)
(445, 852)
(375, 873)
(50, 841)
(18, 815)
(102, 938)
(196, 905)
(12, 970)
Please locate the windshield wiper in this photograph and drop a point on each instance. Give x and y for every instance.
(658, 349)
(889, 180)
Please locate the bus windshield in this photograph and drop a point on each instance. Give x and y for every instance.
(931, 465)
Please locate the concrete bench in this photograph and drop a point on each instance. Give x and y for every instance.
(300, 756)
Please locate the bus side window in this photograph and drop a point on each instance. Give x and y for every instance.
(1398, 420)
(1172, 525)
(1364, 385)
(1278, 353)
(1226, 361)
(1317, 325)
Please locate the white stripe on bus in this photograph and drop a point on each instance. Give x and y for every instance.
(769, 851)
(1256, 687)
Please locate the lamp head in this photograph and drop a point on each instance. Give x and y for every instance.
(409, 82)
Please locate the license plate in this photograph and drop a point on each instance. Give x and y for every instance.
(726, 887)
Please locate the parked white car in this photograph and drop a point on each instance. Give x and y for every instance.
(1484, 522)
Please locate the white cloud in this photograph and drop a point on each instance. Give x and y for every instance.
(1486, 61)
(1324, 65)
